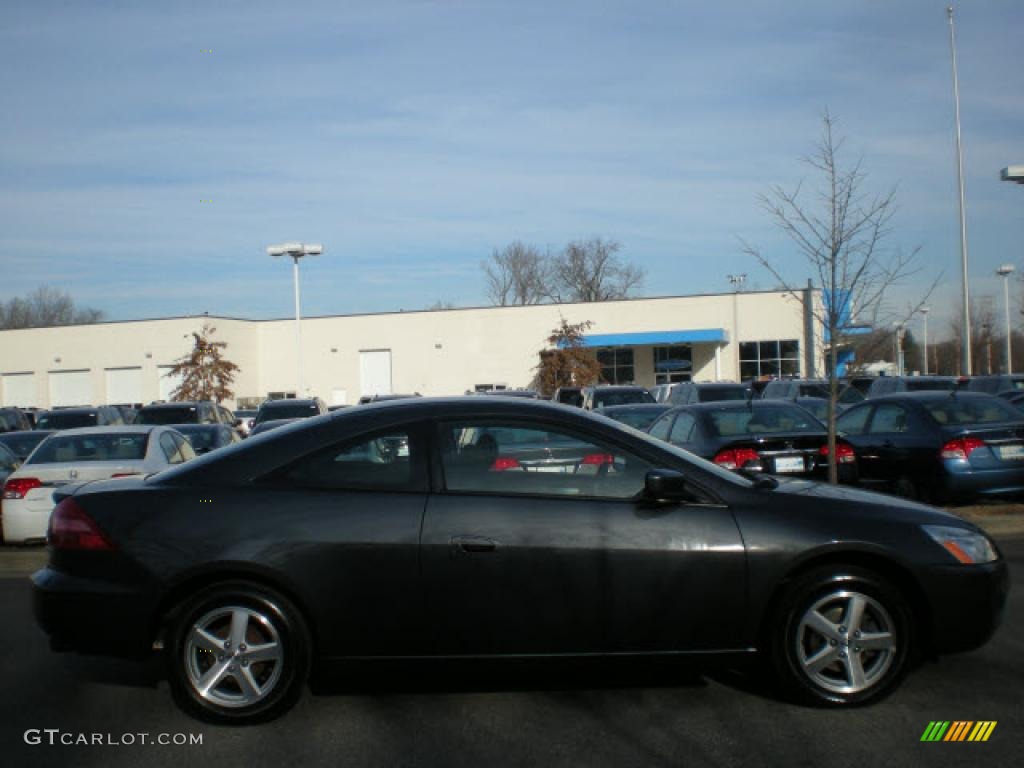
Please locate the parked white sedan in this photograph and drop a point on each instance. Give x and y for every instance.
(78, 456)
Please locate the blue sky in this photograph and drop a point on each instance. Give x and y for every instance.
(412, 138)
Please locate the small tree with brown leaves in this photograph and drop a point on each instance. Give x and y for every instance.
(566, 362)
(205, 374)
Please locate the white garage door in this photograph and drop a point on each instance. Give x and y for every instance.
(124, 385)
(70, 388)
(375, 372)
(167, 383)
(19, 389)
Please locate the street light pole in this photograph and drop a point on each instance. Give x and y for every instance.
(737, 285)
(924, 367)
(296, 251)
(965, 331)
(1004, 272)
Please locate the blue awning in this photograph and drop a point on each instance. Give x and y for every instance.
(658, 338)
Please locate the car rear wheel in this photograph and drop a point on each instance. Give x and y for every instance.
(238, 653)
(842, 636)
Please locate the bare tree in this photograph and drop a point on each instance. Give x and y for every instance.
(442, 304)
(842, 238)
(591, 270)
(45, 307)
(205, 374)
(518, 274)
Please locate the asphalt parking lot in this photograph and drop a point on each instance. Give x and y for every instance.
(593, 713)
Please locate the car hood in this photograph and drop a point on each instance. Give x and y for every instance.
(868, 503)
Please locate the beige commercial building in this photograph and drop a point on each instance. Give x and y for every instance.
(435, 352)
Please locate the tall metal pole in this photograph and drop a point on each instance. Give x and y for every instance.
(965, 333)
(1005, 271)
(924, 367)
(298, 327)
(737, 285)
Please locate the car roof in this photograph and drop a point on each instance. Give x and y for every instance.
(176, 404)
(736, 405)
(633, 407)
(127, 429)
(78, 409)
(289, 401)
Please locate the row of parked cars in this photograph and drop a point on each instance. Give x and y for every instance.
(933, 438)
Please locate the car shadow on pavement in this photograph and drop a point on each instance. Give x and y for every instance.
(146, 673)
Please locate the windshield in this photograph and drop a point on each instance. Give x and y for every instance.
(971, 410)
(286, 410)
(185, 414)
(761, 421)
(62, 449)
(66, 420)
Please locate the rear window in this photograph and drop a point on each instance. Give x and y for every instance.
(761, 421)
(622, 397)
(638, 418)
(711, 394)
(60, 449)
(971, 410)
(72, 420)
(929, 385)
(186, 414)
(286, 410)
(22, 443)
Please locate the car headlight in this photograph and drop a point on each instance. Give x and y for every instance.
(965, 545)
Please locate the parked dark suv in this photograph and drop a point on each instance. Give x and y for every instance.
(72, 418)
(568, 396)
(597, 397)
(184, 412)
(272, 410)
(890, 385)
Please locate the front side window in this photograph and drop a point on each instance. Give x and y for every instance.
(383, 462)
(526, 459)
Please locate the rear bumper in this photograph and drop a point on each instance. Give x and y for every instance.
(91, 616)
(964, 479)
(24, 521)
(967, 603)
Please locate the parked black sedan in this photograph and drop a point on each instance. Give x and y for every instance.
(937, 445)
(421, 528)
(773, 436)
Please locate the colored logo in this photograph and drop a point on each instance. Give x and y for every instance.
(958, 730)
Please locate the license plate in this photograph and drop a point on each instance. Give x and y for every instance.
(1011, 451)
(789, 464)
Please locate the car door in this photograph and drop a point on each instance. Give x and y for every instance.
(518, 559)
(888, 444)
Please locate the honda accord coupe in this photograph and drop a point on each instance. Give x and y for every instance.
(498, 527)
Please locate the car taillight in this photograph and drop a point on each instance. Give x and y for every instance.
(961, 447)
(598, 459)
(17, 487)
(844, 452)
(502, 463)
(72, 528)
(736, 458)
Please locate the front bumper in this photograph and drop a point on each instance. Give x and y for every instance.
(92, 616)
(967, 603)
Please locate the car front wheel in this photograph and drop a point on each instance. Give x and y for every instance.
(842, 636)
(238, 653)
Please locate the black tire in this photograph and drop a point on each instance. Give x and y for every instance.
(255, 684)
(798, 644)
(906, 488)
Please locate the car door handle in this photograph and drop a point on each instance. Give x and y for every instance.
(473, 544)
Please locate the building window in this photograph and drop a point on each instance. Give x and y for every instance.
(616, 365)
(672, 364)
(769, 358)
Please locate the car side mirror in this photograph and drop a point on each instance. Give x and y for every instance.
(666, 485)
